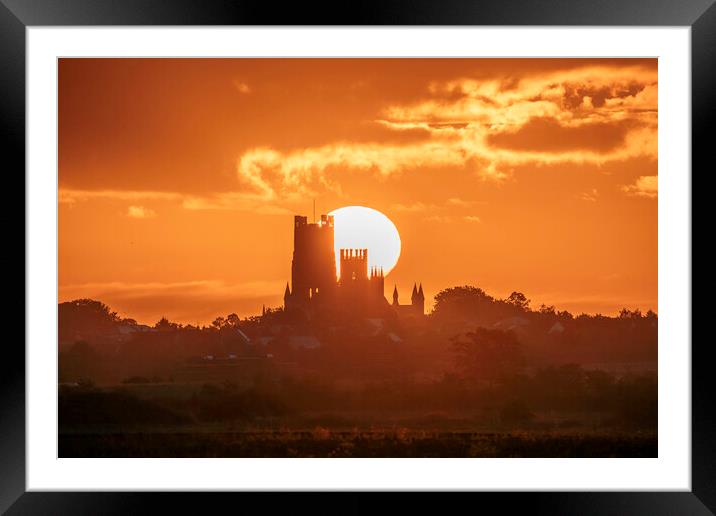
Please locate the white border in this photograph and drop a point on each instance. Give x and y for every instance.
(670, 471)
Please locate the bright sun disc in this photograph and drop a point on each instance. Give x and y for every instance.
(358, 227)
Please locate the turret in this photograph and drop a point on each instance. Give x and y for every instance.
(418, 300)
(354, 266)
(286, 296)
(377, 281)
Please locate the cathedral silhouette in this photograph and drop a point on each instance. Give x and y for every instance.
(315, 286)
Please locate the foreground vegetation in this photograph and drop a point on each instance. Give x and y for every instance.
(386, 443)
(478, 377)
(609, 418)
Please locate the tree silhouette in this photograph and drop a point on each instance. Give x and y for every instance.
(464, 301)
(488, 355)
(547, 309)
(627, 314)
(165, 324)
(519, 300)
(232, 320)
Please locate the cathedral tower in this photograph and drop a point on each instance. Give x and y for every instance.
(313, 268)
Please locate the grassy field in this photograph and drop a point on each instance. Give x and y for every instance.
(322, 442)
(195, 420)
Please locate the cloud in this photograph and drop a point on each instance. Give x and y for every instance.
(588, 115)
(445, 219)
(483, 127)
(149, 301)
(72, 196)
(569, 95)
(242, 87)
(461, 203)
(415, 207)
(596, 303)
(644, 186)
(138, 290)
(438, 218)
(296, 174)
(140, 212)
(453, 202)
(547, 134)
(590, 196)
(608, 111)
(239, 201)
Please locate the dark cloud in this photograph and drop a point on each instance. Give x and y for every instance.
(574, 94)
(448, 125)
(547, 135)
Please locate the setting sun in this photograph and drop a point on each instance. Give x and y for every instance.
(358, 227)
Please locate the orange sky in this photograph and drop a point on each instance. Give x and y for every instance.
(179, 177)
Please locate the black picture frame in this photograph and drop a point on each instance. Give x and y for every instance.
(17, 15)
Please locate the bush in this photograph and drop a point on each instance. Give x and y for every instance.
(515, 412)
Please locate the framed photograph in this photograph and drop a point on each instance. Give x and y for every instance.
(403, 250)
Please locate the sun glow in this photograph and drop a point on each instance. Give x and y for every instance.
(358, 227)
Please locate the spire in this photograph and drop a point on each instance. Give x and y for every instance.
(414, 295)
(420, 292)
(287, 292)
(395, 295)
